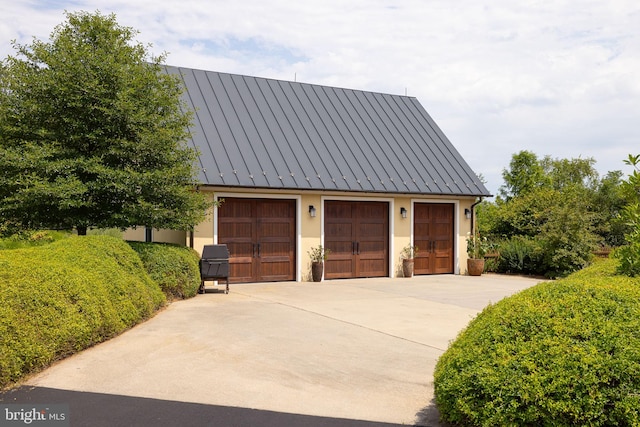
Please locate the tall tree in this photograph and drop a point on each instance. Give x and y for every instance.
(563, 173)
(525, 173)
(93, 133)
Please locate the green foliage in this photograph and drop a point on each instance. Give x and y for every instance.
(27, 239)
(92, 134)
(520, 255)
(63, 297)
(560, 203)
(318, 254)
(567, 236)
(562, 353)
(562, 173)
(113, 232)
(175, 268)
(477, 246)
(409, 252)
(525, 173)
(629, 255)
(608, 203)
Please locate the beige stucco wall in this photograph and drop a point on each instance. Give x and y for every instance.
(465, 230)
(310, 230)
(164, 236)
(402, 232)
(203, 233)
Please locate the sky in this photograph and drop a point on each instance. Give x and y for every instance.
(555, 77)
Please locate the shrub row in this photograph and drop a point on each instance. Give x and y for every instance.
(28, 239)
(60, 298)
(174, 268)
(561, 353)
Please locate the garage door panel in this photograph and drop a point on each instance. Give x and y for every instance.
(237, 208)
(422, 229)
(235, 231)
(372, 231)
(338, 210)
(342, 248)
(271, 229)
(371, 268)
(337, 267)
(275, 249)
(260, 234)
(357, 233)
(240, 249)
(241, 271)
(276, 269)
(375, 250)
(433, 235)
(274, 209)
(339, 231)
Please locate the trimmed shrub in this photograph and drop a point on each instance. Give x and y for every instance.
(520, 255)
(28, 239)
(561, 353)
(63, 297)
(175, 268)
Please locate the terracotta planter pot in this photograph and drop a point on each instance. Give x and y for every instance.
(317, 269)
(407, 267)
(475, 267)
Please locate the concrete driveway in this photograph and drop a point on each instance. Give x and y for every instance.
(361, 350)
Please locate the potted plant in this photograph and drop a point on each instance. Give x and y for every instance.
(318, 255)
(408, 254)
(476, 249)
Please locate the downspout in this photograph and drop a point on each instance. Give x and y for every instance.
(473, 215)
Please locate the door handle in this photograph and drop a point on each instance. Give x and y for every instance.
(258, 250)
(358, 248)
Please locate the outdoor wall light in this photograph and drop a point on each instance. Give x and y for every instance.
(403, 212)
(467, 213)
(312, 211)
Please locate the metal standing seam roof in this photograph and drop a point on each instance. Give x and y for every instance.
(263, 133)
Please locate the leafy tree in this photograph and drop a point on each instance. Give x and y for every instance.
(566, 172)
(93, 133)
(567, 234)
(608, 203)
(524, 174)
(559, 208)
(629, 255)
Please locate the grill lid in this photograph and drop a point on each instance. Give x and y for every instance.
(215, 252)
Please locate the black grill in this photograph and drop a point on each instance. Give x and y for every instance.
(214, 265)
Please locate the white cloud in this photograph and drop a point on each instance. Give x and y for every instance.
(557, 78)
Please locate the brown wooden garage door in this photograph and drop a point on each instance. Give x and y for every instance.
(357, 233)
(433, 235)
(260, 235)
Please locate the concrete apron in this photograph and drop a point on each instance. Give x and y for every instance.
(359, 349)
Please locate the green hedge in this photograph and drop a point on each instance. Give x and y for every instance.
(174, 268)
(29, 239)
(562, 353)
(60, 298)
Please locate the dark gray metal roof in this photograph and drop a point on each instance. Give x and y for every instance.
(263, 133)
